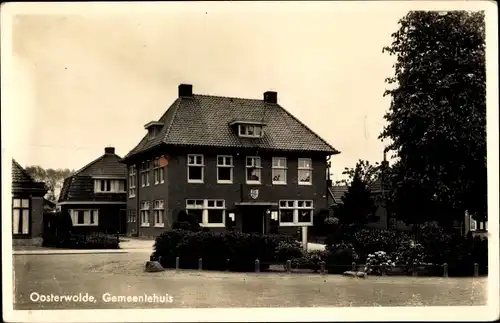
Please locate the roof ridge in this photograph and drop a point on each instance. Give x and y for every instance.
(313, 132)
(21, 168)
(226, 97)
(88, 165)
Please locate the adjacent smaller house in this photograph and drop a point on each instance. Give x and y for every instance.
(336, 192)
(95, 196)
(27, 207)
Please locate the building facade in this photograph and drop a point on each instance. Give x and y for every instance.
(233, 163)
(27, 207)
(95, 196)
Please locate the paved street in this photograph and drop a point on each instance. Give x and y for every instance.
(123, 275)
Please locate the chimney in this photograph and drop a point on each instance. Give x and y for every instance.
(109, 150)
(271, 97)
(185, 91)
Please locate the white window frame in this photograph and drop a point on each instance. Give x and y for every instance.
(243, 130)
(144, 213)
(159, 172)
(225, 165)
(86, 217)
(21, 205)
(296, 205)
(196, 164)
(114, 185)
(218, 204)
(158, 213)
(131, 217)
(279, 163)
(257, 165)
(132, 178)
(145, 168)
(301, 168)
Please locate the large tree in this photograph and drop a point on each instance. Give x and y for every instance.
(357, 206)
(53, 179)
(437, 118)
(367, 171)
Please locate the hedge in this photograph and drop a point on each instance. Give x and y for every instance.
(215, 248)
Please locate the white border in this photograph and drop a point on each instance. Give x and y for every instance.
(481, 313)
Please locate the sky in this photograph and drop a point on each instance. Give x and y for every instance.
(94, 78)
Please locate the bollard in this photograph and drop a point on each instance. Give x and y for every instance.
(227, 264)
(177, 261)
(382, 270)
(354, 267)
(200, 264)
(476, 269)
(322, 266)
(445, 270)
(288, 266)
(414, 271)
(257, 265)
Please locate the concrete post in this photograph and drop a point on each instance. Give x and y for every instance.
(200, 264)
(177, 261)
(322, 266)
(257, 265)
(288, 266)
(476, 269)
(445, 270)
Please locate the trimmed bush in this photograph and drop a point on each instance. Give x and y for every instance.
(216, 247)
(340, 258)
(310, 260)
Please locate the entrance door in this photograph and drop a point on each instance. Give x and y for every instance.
(123, 222)
(253, 219)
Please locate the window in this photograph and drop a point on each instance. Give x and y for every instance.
(224, 169)
(109, 186)
(84, 217)
(250, 131)
(131, 217)
(210, 213)
(159, 210)
(20, 216)
(195, 168)
(296, 213)
(305, 171)
(253, 170)
(279, 170)
(159, 172)
(145, 173)
(145, 214)
(132, 176)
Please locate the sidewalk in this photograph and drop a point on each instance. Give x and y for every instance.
(129, 245)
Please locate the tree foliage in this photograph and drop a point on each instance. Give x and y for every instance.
(53, 179)
(368, 172)
(437, 118)
(357, 206)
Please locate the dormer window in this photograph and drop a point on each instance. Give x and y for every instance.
(153, 128)
(248, 129)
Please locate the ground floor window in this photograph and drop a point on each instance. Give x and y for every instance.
(295, 213)
(84, 217)
(131, 216)
(159, 211)
(21, 216)
(145, 214)
(209, 213)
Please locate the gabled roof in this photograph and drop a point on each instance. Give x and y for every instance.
(337, 191)
(79, 186)
(19, 174)
(204, 120)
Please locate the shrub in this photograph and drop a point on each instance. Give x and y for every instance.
(287, 250)
(378, 262)
(409, 255)
(369, 241)
(215, 248)
(310, 260)
(340, 257)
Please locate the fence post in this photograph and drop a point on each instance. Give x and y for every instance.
(288, 266)
(177, 261)
(414, 271)
(257, 265)
(322, 266)
(354, 267)
(476, 269)
(200, 264)
(227, 264)
(445, 270)
(382, 270)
